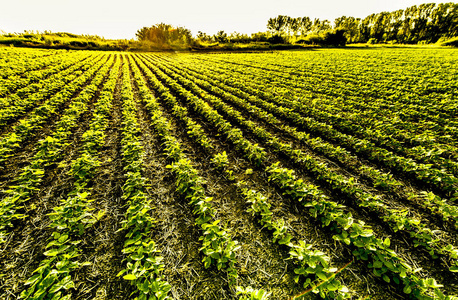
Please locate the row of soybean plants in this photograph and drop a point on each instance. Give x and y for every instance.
(429, 201)
(34, 121)
(398, 219)
(16, 61)
(383, 260)
(37, 70)
(143, 267)
(292, 111)
(17, 104)
(354, 122)
(49, 150)
(307, 258)
(53, 278)
(218, 247)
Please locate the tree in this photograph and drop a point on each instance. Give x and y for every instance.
(319, 26)
(165, 35)
(202, 36)
(422, 16)
(305, 25)
(295, 25)
(364, 30)
(278, 24)
(221, 37)
(350, 27)
(237, 37)
(260, 37)
(379, 25)
(395, 24)
(335, 38)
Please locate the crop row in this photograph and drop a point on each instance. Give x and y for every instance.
(377, 177)
(144, 265)
(284, 92)
(291, 110)
(313, 264)
(53, 278)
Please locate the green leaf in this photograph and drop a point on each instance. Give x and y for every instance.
(407, 289)
(389, 265)
(55, 288)
(27, 293)
(285, 240)
(69, 285)
(63, 238)
(129, 277)
(33, 279)
(453, 269)
(432, 283)
(322, 276)
(386, 242)
(47, 282)
(137, 257)
(61, 264)
(52, 252)
(57, 296)
(207, 262)
(386, 278)
(376, 272)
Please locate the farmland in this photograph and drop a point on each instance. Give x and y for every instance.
(323, 173)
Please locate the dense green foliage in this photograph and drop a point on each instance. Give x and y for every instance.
(164, 35)
(425, 23)
(62, 40)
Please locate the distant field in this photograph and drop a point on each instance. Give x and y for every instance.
(330, 172)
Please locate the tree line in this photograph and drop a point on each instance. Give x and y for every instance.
(425, 23)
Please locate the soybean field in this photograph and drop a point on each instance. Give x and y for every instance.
(324, 173)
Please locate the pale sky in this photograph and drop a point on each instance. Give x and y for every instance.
(121, 19)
